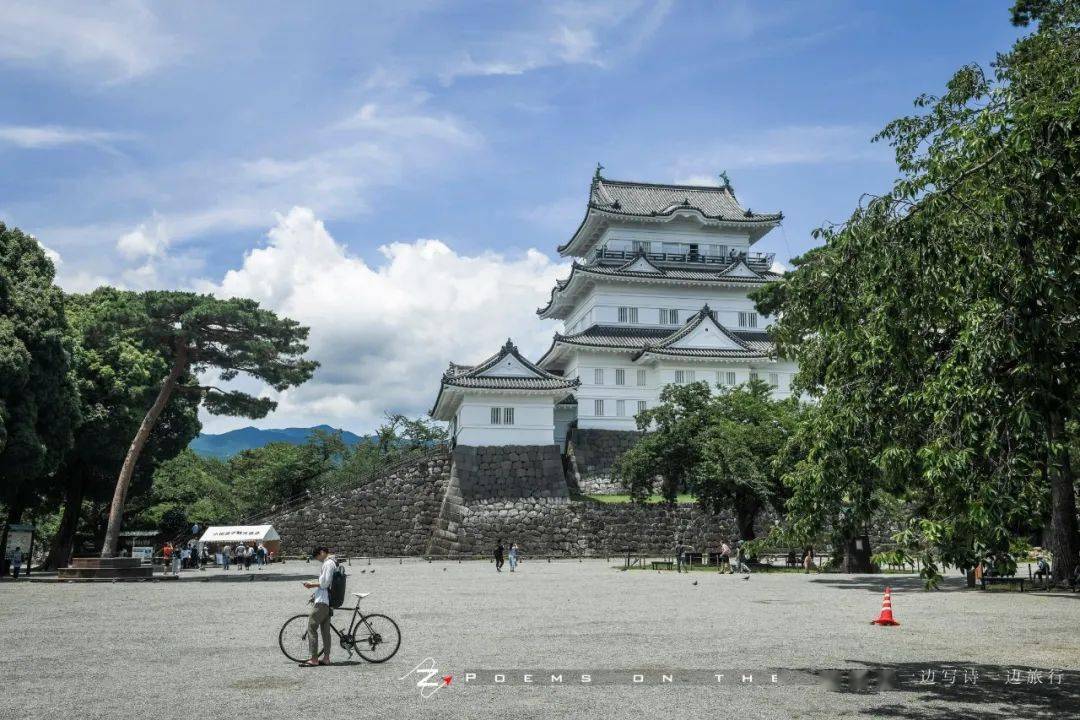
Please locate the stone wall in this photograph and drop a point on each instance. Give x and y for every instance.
(589, 528)
(391, 515)
(461, 504)
(510, 471)
(590, 455)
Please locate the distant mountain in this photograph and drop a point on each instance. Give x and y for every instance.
(230, 443)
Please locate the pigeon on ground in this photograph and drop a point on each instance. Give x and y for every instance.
(746, 578)
(695, 582)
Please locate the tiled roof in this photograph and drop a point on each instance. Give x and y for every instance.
(648, 199)
(658, 341)
(652, 200)
(471, 376)
(710, 276)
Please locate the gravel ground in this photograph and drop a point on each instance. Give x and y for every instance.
(193, 649)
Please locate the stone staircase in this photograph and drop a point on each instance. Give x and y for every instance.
(444, 535)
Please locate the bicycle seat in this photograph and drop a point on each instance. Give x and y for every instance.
(361, 596)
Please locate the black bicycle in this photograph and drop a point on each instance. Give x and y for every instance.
(375, 637)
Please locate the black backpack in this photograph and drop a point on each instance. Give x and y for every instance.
(337, 587)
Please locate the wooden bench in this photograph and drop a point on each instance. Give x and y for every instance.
(667, 564)
(1003, 580)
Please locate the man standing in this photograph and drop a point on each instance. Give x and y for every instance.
(680, 552)
(499, 556)
(319, 619)
(16, 562)
(226, 556)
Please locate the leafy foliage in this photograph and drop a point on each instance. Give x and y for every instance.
(38, 398)
(938, 325)
(721, 447)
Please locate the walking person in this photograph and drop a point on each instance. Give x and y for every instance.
(680, 553)
(740, 559)
(499, 556)
(238, 556)
(260, 555)
(226, 557)
(177, 560)
(808, 560)
(513, 556)
(319, 619)
(16, 562)
(725, 558)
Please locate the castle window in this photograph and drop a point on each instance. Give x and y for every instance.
(669, 317)
(496, 416)
(620, 408)
(598, 376)
(641, 406)
(680, 376)
(774, 380)
(753, 375)
(628, 315)
(747, 319)
(731, 378)
(641, 378)
(508, 416)
(598, 408)
(620, 376)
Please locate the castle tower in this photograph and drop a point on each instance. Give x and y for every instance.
(657, 294)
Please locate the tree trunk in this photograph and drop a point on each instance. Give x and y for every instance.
(744, 519)
(116, 510)
(63, 543)
(857, 555)
(1063, 531)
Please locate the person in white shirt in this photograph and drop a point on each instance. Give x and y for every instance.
(319, 620)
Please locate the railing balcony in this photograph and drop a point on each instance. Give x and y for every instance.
(755, 260)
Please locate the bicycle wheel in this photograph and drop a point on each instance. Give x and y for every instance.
(293, 638)
(376, 638)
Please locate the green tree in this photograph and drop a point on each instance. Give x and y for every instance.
(191, 489)
(38, 399)
(203, 334)
(722, 447)
(118, 373)
(269, 475)
(938, 325)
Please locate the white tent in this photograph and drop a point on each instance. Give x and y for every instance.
(239, 533)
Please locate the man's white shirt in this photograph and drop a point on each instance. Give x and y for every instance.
(326, 576)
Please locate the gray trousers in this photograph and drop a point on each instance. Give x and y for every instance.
(319, 619)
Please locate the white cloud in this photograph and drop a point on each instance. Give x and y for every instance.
(49, 136)
(117, 40)
(566, 33)
(375, 118)
(384, 333)
(144, 241)
(789, 145)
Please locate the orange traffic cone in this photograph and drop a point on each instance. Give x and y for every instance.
(885, 618)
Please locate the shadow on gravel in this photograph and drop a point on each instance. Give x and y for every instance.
(937, 690)
(909, 583)
(253, 577)
(878, 583)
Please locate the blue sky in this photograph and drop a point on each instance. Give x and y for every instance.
(398, 175)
